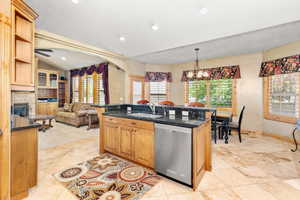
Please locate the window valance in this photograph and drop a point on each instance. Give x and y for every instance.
(100, 68)
(284, 65)
(158, 76)
(226, 72)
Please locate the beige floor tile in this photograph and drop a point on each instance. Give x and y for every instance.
(186, 196)
(294, 182)
(232, 177)
(221, 194)
(281, 190)
(253, 192)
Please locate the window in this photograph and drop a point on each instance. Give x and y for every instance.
(75, 88)
(281, 97)
(213, 93)
(100, 91)
(158, 92)
(84, 89)
(88, 89)
(137, 86)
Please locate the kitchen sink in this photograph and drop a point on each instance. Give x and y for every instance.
(146, 115)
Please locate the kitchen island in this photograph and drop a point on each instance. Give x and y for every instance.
(134, 136)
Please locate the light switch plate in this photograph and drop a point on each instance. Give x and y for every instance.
(185, 113)
(171, 112)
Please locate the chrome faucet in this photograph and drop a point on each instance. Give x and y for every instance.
(152, 106)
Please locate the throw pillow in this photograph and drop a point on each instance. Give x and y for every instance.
(68, 107)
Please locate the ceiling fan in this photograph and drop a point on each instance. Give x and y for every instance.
(42, 52)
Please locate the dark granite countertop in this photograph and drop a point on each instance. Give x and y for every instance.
(161, 120)
(20, 123)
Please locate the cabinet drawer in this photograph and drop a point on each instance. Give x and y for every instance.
(111, 119)
(138, 124)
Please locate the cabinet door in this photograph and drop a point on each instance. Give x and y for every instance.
(144, 147)
(53, 79)
(42, 108)
(126, 141)
(111, 137)
(42, 79)
(19, 174)
(52, 108)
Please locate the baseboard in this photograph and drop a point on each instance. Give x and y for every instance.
(280, 137)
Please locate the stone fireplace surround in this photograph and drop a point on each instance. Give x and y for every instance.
(24, 97)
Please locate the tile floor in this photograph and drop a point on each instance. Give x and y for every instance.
(261, 168)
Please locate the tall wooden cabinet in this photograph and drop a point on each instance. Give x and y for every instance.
(23, 67)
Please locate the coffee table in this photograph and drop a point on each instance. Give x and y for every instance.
(43, 118)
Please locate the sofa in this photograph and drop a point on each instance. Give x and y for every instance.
(75, 114)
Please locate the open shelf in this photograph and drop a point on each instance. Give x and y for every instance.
(22, 60)
(19, 37)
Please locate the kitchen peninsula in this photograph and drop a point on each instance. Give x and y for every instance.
(174, 145)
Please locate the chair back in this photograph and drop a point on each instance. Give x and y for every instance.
(241, 116)
(196, 104)
(143, 101)
(166, 103)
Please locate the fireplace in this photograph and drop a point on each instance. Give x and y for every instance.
(21, 109)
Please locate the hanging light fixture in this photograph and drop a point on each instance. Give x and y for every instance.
(197, 73)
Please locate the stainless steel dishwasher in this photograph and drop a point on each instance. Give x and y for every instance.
(173, 152)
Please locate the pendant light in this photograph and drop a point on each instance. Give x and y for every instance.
(197, 73)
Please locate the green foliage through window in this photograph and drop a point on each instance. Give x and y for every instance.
(220, 92)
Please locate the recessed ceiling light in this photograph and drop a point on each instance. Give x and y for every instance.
(64, 58)
(75, 1)
(155, 27)
(204, 11)
(122, 39)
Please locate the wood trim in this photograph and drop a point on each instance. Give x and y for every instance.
(279, 137)
(95, 89)
(21, 5)
(5, 102)
(133, 78)
(266, 111)
(74, 44)
(100, 111)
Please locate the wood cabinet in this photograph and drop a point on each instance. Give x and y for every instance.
(130, 139)
(111, 137)
(201, 152)
(24, 148)
(47, 108)
(126, 147)
(47, 78)
(143, 147)
(23, 66)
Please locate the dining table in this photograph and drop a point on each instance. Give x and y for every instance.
(223, 118)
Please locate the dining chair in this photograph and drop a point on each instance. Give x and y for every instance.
(166, 103)
(143, 101)
(233, 126)
(196, 104)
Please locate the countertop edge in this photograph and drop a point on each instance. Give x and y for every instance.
(182, 124)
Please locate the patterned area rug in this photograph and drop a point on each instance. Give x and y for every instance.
(107, 177)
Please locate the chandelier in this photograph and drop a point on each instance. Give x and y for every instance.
(197, 73)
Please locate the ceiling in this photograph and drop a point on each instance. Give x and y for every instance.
(73, 59)
(102, 22)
